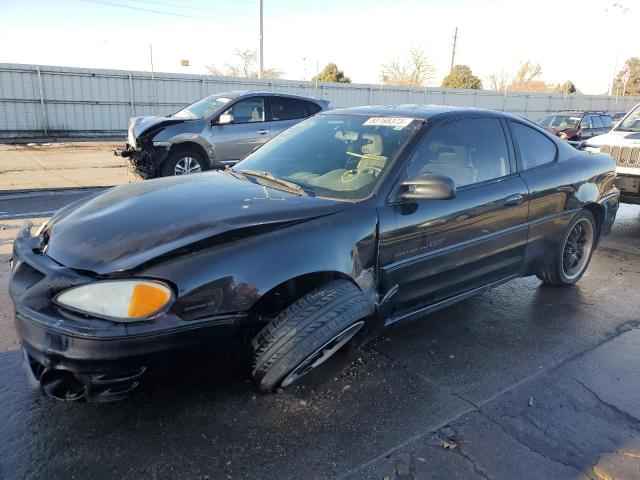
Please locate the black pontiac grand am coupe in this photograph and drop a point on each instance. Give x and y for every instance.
(349, 221)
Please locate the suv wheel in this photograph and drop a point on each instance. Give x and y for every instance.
(308, 333)
(574, 253)
(183, 162)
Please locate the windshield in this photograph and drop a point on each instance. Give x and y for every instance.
(202, 108)
(336, 156)
(560, 122)
(632, 122)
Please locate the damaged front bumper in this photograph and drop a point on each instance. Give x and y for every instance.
(72, 357)
(144, 162)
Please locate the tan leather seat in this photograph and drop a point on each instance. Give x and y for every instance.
(454, 162)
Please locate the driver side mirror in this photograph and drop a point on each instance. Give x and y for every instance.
(224, 119)
(428, 186)
(585, 126)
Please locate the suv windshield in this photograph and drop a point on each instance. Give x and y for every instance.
(202, 108)
(632, 122)
(333, 155)
(560, 121)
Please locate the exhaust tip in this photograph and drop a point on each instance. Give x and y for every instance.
(62, 385)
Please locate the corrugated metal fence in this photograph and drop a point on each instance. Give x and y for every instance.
(37, 100)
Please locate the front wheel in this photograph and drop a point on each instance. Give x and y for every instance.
(574, 253)
(308, 333)
(183, 162)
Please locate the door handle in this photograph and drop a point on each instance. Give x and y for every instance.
(514, 200)
(262, 132)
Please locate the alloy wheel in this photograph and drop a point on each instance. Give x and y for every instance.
(577, 248)
(187, 165)
(322, 354)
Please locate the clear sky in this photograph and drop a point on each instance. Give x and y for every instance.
(576, 40)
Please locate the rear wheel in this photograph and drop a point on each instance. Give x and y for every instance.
(574, 253)
(307, 333)
(183, 162)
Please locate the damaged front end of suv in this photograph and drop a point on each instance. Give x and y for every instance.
(151, 140)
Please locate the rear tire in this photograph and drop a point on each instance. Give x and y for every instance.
(573, 253)
(307, 333)
(183, 162)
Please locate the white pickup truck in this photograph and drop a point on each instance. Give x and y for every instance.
(623, 144)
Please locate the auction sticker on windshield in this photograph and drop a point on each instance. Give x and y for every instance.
(396, 122)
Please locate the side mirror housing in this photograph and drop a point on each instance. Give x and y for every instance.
(224, 119)
(428, 186)
(585, 126)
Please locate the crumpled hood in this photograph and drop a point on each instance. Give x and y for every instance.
(615, 138)
(129, 225)
(139, 125)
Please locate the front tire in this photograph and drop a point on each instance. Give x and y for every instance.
(307, 333)
(573, 253)
(183, 162)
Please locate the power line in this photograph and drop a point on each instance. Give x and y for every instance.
(188, 7)
(149, 10)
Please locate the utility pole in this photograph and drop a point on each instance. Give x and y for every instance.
(153, 82)
(453, 53)
(261, 54)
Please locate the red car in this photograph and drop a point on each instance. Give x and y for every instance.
(577, 125)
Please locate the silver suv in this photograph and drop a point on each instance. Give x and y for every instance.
(213, 132)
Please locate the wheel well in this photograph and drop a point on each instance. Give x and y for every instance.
(284, 294)
(597, 211)
(179, 147)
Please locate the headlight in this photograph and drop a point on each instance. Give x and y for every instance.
(118, 300)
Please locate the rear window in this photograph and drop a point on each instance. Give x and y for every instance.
(311, 107)
(283, 108)
(535, 148)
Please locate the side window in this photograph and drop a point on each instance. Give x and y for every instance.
(596, 122)
(248, 110)
(311, 108)
(606, 121)
(469, 151)
(586, 122)
(535, 148)
(283, 108)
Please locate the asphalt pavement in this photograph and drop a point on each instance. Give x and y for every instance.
(522, 382)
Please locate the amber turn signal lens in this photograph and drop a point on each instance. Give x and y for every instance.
(146, 299)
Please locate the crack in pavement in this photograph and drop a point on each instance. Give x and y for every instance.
(528, 447)
(45, 168)
(620, 330)
(626, 415)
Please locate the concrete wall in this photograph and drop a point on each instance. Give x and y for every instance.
(45, 100)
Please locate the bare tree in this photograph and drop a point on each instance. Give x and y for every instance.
(527, 79)
(248, 58)
(212, 70)
(244, 68)
(414, 71)
(498, 82)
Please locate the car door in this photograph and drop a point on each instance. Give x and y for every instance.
(248, 130)
(552, 185)
(285, 112)
(435, 250)
(598, 125)
(586, 128)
